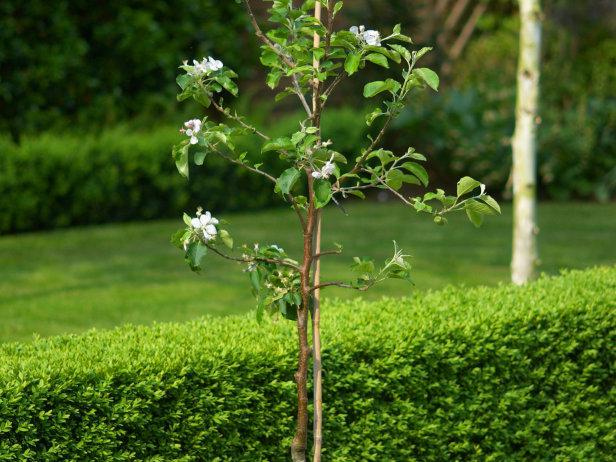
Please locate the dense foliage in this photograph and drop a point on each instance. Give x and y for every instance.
(481, 374)
(66, 61)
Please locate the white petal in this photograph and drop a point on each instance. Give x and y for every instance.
(193, 140)
(214, 221)
(317, 175)
(211, 229)
(483, 188)
(195, 223)
(354, 29)
(205, 218)
(189, 132)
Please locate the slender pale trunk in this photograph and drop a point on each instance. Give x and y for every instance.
(316, 309)
(317, 371)
(525, 230)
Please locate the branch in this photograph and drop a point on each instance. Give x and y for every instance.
(300, 95)
(400, 196)
(289, 197)
(264, 38)
(326, 252)
(239, 120)
(276, 261)
(375, 141)
(246, 166)
(344, 285)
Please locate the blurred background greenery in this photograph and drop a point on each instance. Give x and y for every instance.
(88, 115)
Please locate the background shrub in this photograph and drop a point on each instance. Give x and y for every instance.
(49, 181)
(59, 180)
(483, 374)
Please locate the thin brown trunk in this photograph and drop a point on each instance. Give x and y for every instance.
(298, 446)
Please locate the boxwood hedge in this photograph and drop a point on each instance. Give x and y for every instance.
(55, 180)
(462, 374)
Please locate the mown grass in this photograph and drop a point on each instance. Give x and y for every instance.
(103, 276)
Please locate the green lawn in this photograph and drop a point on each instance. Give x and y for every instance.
(71, 280)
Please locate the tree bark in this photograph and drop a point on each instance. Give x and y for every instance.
(525, 230)
(298, 446)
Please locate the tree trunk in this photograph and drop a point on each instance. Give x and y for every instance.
(298, 446)
(525, 230)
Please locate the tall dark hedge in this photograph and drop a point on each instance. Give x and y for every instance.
(485, 374)
(98, 62)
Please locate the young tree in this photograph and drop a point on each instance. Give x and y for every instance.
(306, 56)
(525, 145)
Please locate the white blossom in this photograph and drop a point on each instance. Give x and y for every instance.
(204, 67)
(326, 170)
(371, 37)
(205, 224)
(192, 128)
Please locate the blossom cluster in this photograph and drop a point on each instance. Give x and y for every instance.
(204, 67)
(205, 224)
(371, 37)
(326, 170)
(192, 127)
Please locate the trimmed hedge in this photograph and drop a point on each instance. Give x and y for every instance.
(481, 374)
(52, 181)
(56, 180)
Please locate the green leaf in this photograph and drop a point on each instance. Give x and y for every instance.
(194, 255)
(394, 179)
(227, 84)
(363, 265)
(226, 238)
(401, 50)
(474, 217)
(337, 7)
(374, 88)
(273, 78)
(418, 170)
(183, 80)
(489, 200)
(377, 58)
(287, 180)
(186, 219)
(422, 52)
(371, 117)
(202, 98)
(200, 157)
(356, 193)
(322, 192)
(466, 185)
(479, 207)
(278, 144)
(428, 76)
(177, 238)
(180, 156)
(351, 63)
